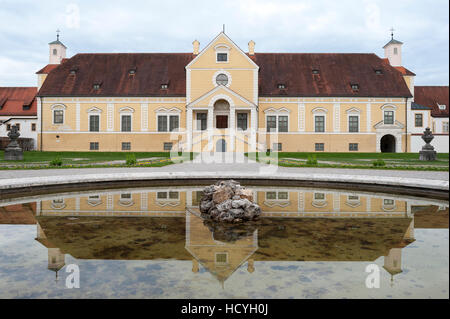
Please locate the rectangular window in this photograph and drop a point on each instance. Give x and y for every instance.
(174, 195)
(271, 123)
(161, 195)
(353, 123)
(319, 123)
(93, 146)
(319, 147)
(222, 258)
(418, 119)
(162, 123)
(8, 127)
(277, 146)
(126, 123)
(168, 146)
(33, 127)
(282, 123)
(222, 57)
(319, 196)
(271, 195)
(242, 121)
(94, 123)
(202, 119)
(388, 117)
(126, 146)
(174, 122)
(353, 146)
(282, 195)
(445, 127)
(58, 117)
(18, 126)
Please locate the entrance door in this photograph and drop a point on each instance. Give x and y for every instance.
(387, 144)
(221, 146)
(222, 121)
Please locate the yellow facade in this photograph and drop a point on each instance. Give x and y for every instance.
(238, 95)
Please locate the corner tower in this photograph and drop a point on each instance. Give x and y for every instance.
(393, 51)
(57, 50)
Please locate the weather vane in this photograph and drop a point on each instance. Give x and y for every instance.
(392, 32)
(57, 34)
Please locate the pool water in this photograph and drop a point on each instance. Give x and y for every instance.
(151, 243)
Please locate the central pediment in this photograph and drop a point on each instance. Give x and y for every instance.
(221, 93)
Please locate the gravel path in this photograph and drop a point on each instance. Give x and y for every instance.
(247, 166)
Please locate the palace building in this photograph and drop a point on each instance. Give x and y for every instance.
(223, 99)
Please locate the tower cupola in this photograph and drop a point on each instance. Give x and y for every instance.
(393, 51)
(57, 50)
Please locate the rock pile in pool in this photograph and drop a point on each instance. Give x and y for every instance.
(228, 201)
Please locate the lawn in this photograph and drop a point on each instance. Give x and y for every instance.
(36, 159)
(355, 160)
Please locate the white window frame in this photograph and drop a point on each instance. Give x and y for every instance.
(248, 118)
(444, 130)
(389, 207)
(277, 115)
(58, 203)
(277, 196)
(94, 200)
(319, 203)
(197, 128)
(222, 48)
(162, 111)
(126, 111)
(389, 107)
(168, 199)
(324, 122)
(94, 111)
(228, 74)
(58, 107)
(221, 253)
(126, 201)
(353, 112)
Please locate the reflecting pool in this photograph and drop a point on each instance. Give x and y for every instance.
(151, 243)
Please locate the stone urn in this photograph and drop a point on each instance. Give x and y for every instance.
(13, 152)
(228, 201)
(427, 153)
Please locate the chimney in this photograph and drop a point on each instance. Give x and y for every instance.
(196, 46)
(251, 47)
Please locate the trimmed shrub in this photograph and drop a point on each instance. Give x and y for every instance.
(312, 160)
(379, 163)
(131, 160)
(56, 162)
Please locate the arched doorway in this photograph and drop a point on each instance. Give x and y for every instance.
(221, 114)
(221, 146)
(387, 144)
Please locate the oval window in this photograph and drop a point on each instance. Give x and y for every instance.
(222, 79)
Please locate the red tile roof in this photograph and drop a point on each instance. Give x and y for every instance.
(404, 70)
(337, 73)
(111, 70)
(18, 101)
(47, 69)
(432, 96)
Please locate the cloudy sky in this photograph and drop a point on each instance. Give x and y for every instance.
(26, 27)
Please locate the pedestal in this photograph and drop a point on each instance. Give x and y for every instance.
(427, 155)
(13, 154)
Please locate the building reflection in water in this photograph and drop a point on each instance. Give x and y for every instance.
(297, 225)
